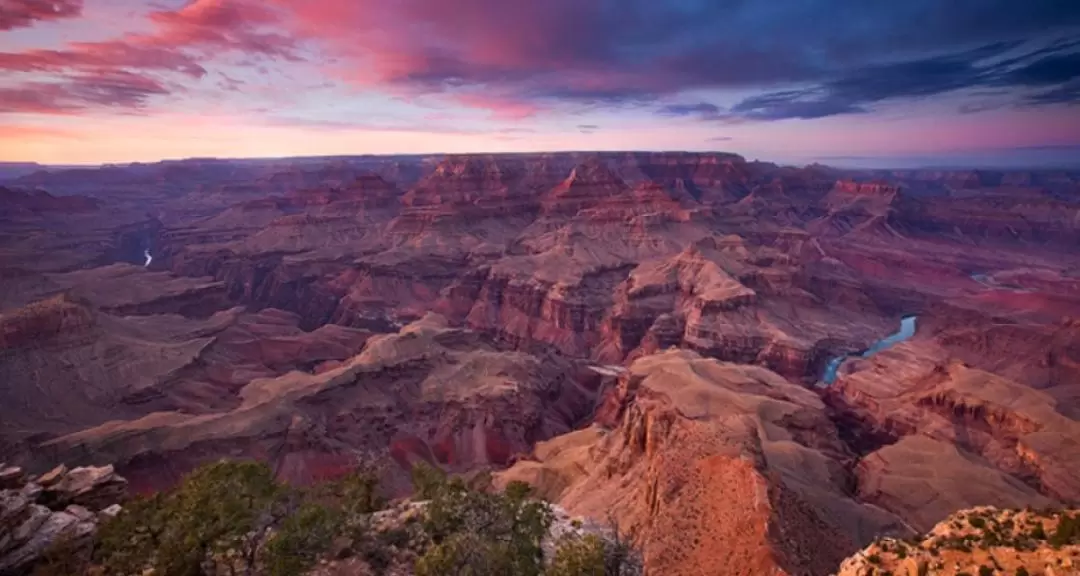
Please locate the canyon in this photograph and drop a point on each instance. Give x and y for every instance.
(645, 337)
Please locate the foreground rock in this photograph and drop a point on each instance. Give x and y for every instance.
(60, 506)
(980, 540)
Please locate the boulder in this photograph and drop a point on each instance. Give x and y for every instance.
(11, 477)
(53, 476)
(92, 487)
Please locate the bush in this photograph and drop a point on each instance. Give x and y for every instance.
(427, 481)
(300, 539)
(234, 518)
(478, 533)
(226, 517)
(579, 556)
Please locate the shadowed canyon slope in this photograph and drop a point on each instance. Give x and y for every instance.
(639, 333)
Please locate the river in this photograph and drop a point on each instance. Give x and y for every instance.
(907, 330)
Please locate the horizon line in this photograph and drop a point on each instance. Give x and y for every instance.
(943, 159)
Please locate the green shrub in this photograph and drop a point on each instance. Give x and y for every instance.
(300, 539)
(478, 533)
(226, 517)
(427, 481)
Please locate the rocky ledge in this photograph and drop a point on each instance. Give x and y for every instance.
(984, 541)
(61, 505)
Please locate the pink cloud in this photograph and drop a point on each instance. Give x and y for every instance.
(529, 53)
(24, 13)
(223, 24)
(501, 108)
(115, 54)
(107, 89)
(111, 73)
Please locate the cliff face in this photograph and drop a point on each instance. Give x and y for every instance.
(428, 393)
(972, 436)
(715, 467)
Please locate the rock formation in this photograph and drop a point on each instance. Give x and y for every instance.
(61, 506)
(285, 316)
(981, 540)
(715, 467)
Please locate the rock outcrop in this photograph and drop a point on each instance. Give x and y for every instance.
(715, 468)
(61, 506)
(981, 540)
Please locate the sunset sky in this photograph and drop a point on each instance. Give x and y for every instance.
(842, 81)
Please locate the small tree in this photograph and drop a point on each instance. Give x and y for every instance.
(216, 521)
(481, 534)
(427, 481)
(300, 538)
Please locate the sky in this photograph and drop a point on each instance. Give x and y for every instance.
(933, 82)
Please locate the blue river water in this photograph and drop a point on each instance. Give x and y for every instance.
(907, 330)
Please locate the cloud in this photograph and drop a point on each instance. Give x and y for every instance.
(587, 128)
(719, 139)
(802, 104)
(501, 107)
(702, 110)
(182, 42)
(238, 25)
(1014, 67)
(1064, 94)
(105, 89)
(25, 13)
(612, 53)
(844, 56)
(116, 55)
